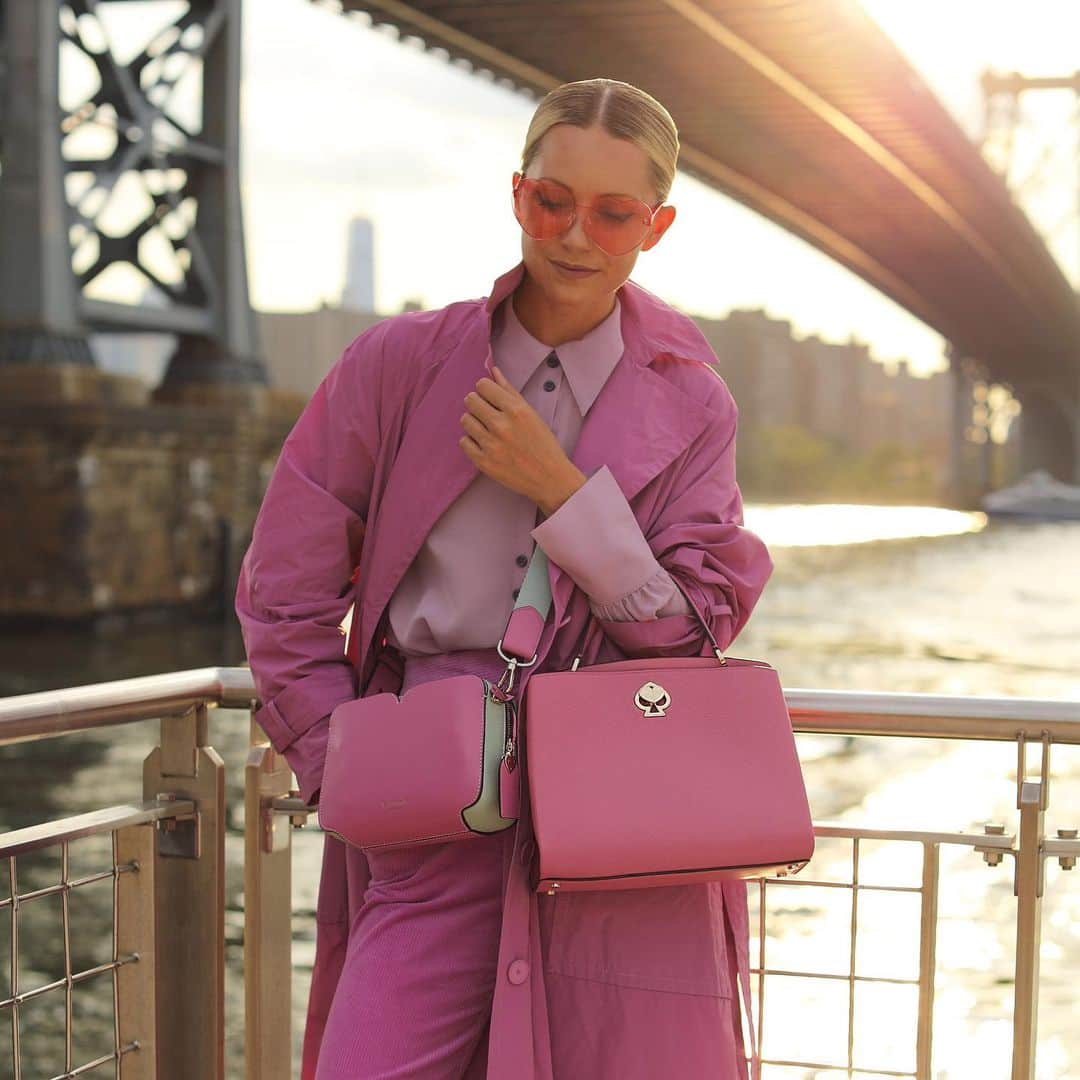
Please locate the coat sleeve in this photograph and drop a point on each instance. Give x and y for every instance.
(294, 588)
(596, 539)
(698, 537)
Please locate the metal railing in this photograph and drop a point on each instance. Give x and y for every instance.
(168, 870)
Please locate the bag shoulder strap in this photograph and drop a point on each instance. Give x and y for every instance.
(525, 624)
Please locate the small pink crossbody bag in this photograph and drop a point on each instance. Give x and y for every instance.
(439, 762)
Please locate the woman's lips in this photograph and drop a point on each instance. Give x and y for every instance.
(568, 272)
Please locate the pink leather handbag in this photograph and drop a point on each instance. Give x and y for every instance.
(662, 771)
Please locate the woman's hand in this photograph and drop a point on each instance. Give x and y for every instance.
(507, 440)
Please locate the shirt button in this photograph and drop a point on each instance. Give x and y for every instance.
(522, 560)
(553, 360)
(518, 972)
(549, 385)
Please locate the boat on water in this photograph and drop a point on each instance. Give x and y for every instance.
(1037, 495)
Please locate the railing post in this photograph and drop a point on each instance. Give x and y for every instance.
(134, 1004)
(1032, 798)
(928, 920)
(267, 915)
(189, 901)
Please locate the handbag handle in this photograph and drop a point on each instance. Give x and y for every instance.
(593, 625)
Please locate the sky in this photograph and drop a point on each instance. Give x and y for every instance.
(340, 119)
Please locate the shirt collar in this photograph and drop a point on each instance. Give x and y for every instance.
(587, 361)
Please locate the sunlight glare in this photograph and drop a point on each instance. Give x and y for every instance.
(807, 524)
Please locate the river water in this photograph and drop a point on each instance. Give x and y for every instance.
(862, 598)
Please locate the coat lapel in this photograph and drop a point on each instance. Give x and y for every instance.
(638, 424)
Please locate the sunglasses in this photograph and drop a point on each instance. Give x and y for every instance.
(615, 223)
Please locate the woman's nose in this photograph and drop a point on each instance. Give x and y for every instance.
(576, 235)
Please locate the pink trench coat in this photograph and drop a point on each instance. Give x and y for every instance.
(664, 423)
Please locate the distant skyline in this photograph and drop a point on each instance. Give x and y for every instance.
(340, 120)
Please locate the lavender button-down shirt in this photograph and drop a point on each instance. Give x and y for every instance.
(459, 590)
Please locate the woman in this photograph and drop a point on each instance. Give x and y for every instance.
(573, 410)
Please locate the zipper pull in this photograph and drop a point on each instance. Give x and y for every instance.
(510, 757)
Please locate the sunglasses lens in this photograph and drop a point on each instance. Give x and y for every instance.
(546, 209)
(617, 225)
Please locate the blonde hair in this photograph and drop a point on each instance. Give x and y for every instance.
(623, 111)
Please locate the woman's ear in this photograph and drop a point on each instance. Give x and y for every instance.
(661, 223)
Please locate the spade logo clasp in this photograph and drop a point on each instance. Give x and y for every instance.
(652, 699)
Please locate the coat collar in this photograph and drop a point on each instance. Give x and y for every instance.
(639, 423)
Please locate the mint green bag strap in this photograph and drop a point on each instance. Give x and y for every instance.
(523, 631)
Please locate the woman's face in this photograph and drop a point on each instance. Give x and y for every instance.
(590, 162)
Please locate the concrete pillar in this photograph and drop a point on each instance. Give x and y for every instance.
(39, 318)
(1050, 436)
(963, 460)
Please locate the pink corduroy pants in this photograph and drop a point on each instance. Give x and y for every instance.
(413, 1001)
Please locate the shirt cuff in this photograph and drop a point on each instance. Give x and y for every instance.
(654, 599)
(596, 539)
